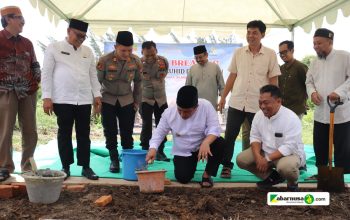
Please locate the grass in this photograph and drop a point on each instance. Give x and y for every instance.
(47, 129)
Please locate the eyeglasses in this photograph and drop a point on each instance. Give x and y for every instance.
(283, 53)
(19, 17)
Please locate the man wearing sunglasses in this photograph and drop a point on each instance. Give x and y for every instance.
(69, 87)
(292, 80)
(19, 79)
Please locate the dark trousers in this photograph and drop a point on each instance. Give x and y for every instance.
(235, 119)
(185, 167)
(67, 115)
(126, 119)
(341, 142)
(146, 112)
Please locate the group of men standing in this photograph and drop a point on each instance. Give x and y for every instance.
(269, 98)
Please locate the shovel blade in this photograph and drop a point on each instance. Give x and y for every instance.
(331, 180)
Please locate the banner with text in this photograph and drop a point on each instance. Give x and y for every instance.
(181, 58)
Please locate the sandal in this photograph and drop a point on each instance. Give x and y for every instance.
(207, 182)
(313, 177)
(226, 173)
(4, 175)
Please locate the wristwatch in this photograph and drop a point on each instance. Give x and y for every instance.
(267, 158)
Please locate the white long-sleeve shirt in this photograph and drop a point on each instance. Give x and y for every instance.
(281, 132)
(69, 76)
(187, 134)
(330, 75)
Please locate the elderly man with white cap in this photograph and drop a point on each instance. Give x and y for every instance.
(69, 87)
(329, 76)
(19, 82)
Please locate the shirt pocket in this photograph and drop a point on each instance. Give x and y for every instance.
(198, 127)
(85, 64)
(279, 139)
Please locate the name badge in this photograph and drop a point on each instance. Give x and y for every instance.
(66, 53)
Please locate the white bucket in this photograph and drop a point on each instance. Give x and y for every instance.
(45, 186)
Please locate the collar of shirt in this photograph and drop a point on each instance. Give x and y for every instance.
(117, 58)
(277, 115)
(330, 55)
(290, 64)
(8, 35)
(261, 51)
(73, 47)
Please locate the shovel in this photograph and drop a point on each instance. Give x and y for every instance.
(331, 179)
(33, 164)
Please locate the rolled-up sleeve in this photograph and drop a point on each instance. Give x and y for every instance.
(255, 135)
(292, 137)
(161, 131)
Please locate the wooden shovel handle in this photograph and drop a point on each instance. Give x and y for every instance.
(331, 135)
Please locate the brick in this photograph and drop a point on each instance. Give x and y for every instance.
(167, 182)
(6, 192)
(75, 188)
(19, 189)
(103, 200)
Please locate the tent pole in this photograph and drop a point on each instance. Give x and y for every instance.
(292, 34)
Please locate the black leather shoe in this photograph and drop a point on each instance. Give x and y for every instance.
(273, 179)
(67, 171)
(114, 167)
(89, 173)
(162, 157)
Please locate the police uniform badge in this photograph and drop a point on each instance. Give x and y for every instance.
(99, 66)
(131, 77)
(146, 76)
(161, 65)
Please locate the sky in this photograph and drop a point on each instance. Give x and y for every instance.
(38, 28)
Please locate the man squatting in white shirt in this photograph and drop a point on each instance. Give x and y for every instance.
(275, 142)
(195, 127)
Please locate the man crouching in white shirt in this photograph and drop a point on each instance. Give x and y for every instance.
(195, 127)
(276, 149)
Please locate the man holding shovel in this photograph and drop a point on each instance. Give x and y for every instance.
(329, 76)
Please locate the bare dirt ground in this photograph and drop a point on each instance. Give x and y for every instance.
(174, 203)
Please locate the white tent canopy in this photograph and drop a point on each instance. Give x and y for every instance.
(185, 16)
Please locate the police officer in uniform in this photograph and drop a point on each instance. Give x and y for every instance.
(119, 73)
(154, 101)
